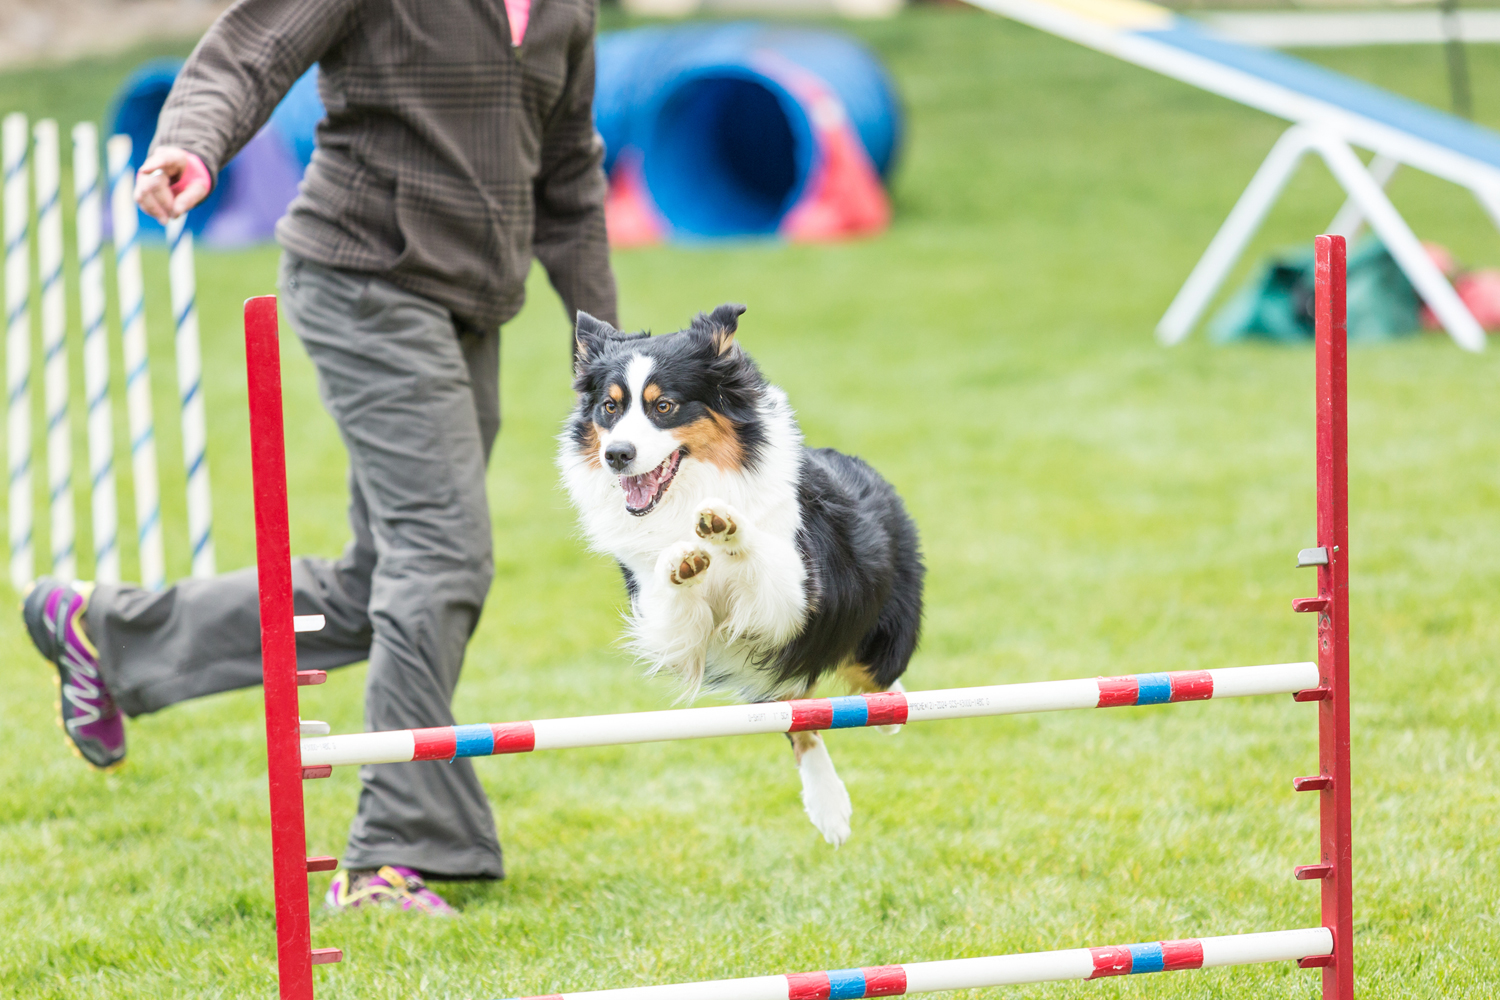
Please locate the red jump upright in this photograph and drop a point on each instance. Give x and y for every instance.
(295, 956)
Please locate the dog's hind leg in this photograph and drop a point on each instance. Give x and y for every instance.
(823, 793)
(765, 579)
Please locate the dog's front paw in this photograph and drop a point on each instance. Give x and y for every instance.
(719, 524)
(685, 563)
(824, 796)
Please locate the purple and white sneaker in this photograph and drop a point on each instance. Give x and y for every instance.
(393, 885)
(53, 612)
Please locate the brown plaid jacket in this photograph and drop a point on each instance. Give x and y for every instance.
(448, 157)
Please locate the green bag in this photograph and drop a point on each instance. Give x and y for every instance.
(1277, 302)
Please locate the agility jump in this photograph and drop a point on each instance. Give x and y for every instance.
(1330, 946)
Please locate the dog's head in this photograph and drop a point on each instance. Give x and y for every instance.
(650, 406)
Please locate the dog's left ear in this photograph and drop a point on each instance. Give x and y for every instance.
(720, 325)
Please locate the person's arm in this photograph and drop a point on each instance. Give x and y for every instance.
(569, 238)
(227, 89)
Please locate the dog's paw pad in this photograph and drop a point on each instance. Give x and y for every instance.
(716, 522)
(688, 566)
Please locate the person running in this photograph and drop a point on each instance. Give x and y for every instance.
(458, 144)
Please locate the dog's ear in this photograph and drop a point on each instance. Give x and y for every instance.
(720, 326)
(589, 337)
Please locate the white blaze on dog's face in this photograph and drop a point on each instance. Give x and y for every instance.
(647, 405)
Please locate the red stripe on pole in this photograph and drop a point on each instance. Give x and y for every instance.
(278, 643)
(811, 713)
(1114, 960)
(440, 743)
(1177, 955)
(1192, 685)
(808, 985)
(885, 980)
(1115, 692)
(514, 737)
(886, 708)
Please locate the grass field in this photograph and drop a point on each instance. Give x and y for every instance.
(1089, 504)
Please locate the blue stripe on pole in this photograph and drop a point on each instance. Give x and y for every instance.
(149, 523)
(16, 315)
(141, 441)
(20, 470)
(122, 249)
(49, 206)
(846, 984)
(96, 327)
(57, 418)
(187, 397)
(1156, 689)
(104, 470)
(187, 310)
(51, 280)
(90, 258)
(61, 487)
(133, 315)
(13, 169)
(1146, 957)
(202, 543)
(89, 191)
(140, 370)
(849, 713)
(19, 389)
(196, 465)
(24, 542)
(473, 741)
(15, 245)
(56, 349)
(99, 400)
(65, 553)
(104, 548)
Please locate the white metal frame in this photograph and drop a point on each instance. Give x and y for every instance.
(1367, 201)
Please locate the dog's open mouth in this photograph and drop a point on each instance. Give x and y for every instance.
(643, 491)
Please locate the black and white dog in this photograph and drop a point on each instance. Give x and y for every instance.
(755, 565)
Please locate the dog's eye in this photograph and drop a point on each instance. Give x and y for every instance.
(665, 406)
(609, 406)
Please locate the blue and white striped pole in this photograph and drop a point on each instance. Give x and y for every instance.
(190, 389)
(55, 381)
(137, 370)
(15, 143)
(91, 299)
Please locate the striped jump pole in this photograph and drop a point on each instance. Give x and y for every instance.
(49, 239)
(190, 390)
(857, 711)
(131, 289)
(998, 970)
(16, 143)
(91, 301)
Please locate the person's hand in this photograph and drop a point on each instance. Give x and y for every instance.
(170, 182)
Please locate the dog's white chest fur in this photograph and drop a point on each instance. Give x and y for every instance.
(719, 580)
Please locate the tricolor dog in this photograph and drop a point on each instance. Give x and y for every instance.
(755, 565)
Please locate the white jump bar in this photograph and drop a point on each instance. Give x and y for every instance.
(886, 708)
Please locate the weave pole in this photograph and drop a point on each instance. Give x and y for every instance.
(999, 970)
(49, 239)
(808, 714)
(88, 221)
(15, 145)
(1335, 813)
(200, 510)
(131, 289)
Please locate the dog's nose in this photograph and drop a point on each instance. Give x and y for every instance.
(619, 454)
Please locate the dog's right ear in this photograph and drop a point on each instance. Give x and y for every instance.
(589, 337)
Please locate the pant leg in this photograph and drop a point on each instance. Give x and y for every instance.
(395, 377)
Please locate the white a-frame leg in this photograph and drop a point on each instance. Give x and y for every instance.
(1366, 195)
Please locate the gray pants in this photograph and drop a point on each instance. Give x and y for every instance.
(416, 400)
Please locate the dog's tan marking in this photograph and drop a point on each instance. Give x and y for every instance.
(589, 449)
(714, 440)
(858, 677)
(616, 392)
(651, 393)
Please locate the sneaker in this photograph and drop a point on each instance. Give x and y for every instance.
(393, 885)
(53, 612)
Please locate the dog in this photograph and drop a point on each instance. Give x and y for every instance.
(755, 566)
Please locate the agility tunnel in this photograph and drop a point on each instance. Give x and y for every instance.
(716, 131)
(291, 760)
(710, 132)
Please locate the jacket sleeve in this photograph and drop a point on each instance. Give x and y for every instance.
(242, 68)
(569, 237)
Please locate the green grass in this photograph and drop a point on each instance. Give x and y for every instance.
(1089, 503)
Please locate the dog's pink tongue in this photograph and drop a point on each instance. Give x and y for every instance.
(638, 489)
